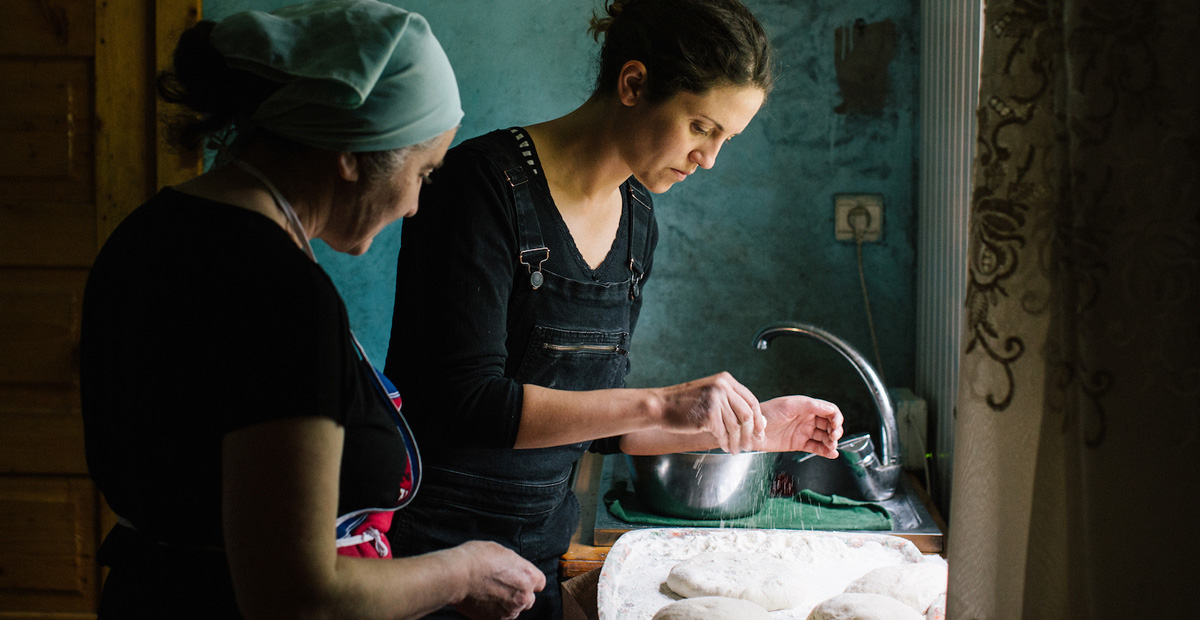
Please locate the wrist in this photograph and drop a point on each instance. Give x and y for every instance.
(652, 407)
(459, 571)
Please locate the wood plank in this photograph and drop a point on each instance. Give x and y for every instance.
(47, 27)
(39, 327)
(51, 442)
(46, 133)
(48, 544)
(124, 112)
(47, 235)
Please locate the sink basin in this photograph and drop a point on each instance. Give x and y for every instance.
(853, 475)
(911, 517)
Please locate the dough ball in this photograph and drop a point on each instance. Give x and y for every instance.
(937, 611)
(767, 581)
(916, 585)
(863, 606)
(712, 608)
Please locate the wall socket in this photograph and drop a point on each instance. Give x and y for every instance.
(863, 210)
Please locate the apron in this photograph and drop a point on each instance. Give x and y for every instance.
(580, 338)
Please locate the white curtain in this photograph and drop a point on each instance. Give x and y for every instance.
(1077, 440)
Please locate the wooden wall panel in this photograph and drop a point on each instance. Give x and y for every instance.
(125, 121)
(80, 147)
(39, 328)
(48, 544)
(46, 134)
(58, 234)
(44, 27)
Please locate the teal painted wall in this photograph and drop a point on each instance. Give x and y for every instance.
(745, 244)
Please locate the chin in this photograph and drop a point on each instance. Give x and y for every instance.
(657, 186)
(660, 188)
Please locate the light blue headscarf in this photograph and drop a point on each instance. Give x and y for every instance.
(358, 75)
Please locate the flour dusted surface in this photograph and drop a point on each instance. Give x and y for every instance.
(633, 581)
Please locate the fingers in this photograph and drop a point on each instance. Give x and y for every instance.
(741, 413)
(505, 583)
(754, 426)
(827, 428)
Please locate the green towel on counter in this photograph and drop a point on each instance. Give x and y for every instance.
(805, 511)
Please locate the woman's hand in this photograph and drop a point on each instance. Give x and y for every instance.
(800, 423)
(718, 405)
(502, 583)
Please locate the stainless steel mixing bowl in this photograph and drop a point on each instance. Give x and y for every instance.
(703, 485)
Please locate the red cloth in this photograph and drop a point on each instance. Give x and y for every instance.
(380, 522)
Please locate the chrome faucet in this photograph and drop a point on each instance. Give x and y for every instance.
(877, 478)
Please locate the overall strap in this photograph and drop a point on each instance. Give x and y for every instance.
(640, 215)
(533, 251)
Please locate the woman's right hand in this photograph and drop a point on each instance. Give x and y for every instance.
(501, 584)
(718, 405)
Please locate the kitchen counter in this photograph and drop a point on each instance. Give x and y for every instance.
(597, 531)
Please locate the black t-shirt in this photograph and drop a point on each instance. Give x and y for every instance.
(202, 318)
(458, 335)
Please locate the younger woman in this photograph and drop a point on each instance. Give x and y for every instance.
(525, 270)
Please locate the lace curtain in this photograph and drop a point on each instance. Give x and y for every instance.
(1077, 438)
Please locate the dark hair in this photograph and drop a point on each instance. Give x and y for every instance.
(690, 45)
(216, 95)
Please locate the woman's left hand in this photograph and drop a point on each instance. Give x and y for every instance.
(800, 423)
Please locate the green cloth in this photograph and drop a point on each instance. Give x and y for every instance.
(805, 511)
(357, 75)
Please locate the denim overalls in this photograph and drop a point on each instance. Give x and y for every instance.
(522, 498)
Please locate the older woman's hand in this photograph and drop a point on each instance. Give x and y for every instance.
(800, 423)
(502, 583)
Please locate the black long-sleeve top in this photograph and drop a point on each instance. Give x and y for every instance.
(458, 332)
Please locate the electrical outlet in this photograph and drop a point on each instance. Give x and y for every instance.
(857, 211)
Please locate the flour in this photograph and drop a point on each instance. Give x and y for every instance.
(633, 581)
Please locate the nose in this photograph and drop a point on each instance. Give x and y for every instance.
(706, 156)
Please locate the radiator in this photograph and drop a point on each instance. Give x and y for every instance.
(949, 91)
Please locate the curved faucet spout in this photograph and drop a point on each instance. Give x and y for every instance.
(889, 454)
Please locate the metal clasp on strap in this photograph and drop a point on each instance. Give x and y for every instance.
(527, 258)
(516, 176)
(635, 280)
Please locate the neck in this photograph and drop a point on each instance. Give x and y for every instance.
(298, 185)
(230, 184)
(580, 153)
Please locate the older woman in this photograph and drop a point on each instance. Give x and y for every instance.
(252, 452)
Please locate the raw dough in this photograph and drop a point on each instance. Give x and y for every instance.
(863, 606)
(915, 585)
(767, 581)
(937, 611)
(712, 608)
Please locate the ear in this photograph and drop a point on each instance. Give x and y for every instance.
(347, 164)
(631, 82)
